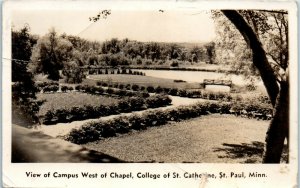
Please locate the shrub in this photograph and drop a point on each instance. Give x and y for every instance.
(150, 89)
(136, 122)
(109, 90)
(136, 103)
(99, 83)
(92, 131)
(142, 88)
(174, 63)
(121, 86)
(182, 93)
(135, 87)
(128, 86)
(144, 94)
(64, 88)
(178, 81)
(115, 85)
(158, 89)
(173, 91)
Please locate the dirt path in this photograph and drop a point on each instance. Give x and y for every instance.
(61, 129)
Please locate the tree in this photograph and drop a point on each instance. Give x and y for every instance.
(22, 43)
(272, 65)
(210, 50)
(73, 74)
(49, 55)
(24, 104)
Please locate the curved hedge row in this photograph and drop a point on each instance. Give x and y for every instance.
(180, 69)
(101, 90)
(97, 130)
(114, 71)
(171, 91)
(65, 115)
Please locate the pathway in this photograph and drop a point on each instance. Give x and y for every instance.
(61, 129)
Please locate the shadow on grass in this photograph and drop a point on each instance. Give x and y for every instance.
(251, 152)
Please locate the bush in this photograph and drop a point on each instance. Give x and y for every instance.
(64, 88)
(51, 88)
(173, 91)
(178, 81)
(150, 89)
(93, 131)
(128, 86)
(174, 63)
(158, 89)
(182, 93)
(109, 90)
(135, 87)
(121, 86)
(142, 88)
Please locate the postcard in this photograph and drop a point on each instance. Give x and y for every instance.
(153, 94)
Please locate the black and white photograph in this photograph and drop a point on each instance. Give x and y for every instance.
(150, 84)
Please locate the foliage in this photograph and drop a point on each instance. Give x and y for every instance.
(24, 103)
(271, 29)
(124, 124)
(63, 115)
(73, 74)
(49, 55)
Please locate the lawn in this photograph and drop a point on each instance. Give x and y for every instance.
(68, 100)
(142, 80)
(208, 139)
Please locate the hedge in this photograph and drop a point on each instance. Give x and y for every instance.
(65, 115)
(224, 96)
(101, 90)
(97, 130)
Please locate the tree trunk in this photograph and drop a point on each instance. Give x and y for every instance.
(259, 55)
(279, 126)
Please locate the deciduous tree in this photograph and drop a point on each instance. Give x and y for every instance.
(266, 35)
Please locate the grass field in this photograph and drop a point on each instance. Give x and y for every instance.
(61, 100)
(207, 139)
(142, 80)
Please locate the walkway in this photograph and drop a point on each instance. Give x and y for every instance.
(61, 129)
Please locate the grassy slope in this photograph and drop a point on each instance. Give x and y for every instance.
(210, 139)
(68, 100)
(142, 80)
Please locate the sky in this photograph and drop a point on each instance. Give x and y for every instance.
(141, 25)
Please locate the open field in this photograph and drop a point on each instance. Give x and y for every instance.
(68, 100)
(207, 139)
(143, 80)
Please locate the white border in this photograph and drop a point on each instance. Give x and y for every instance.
(282, 175)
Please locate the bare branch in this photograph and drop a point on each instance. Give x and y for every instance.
(274, 11)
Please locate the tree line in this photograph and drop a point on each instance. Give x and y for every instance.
(52, 52)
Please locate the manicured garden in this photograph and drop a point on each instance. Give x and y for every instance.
(83, 110)
(97, 130)
(208, 139)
